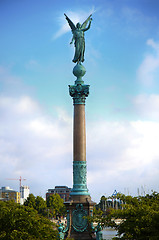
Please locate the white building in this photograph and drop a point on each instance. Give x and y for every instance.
(24, 193)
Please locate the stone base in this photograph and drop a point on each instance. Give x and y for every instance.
(81, 236)
(79, 208)
(81, 199)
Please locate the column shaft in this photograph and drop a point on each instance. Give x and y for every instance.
(79, 136)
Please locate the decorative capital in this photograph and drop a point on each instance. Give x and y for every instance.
(79, 92)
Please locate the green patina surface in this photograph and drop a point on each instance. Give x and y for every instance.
(79, 91)
(79, 178)
(78, 37)
(79, 220)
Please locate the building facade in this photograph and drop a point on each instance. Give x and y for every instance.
(63, 191)
(24, 193)
(8, 194)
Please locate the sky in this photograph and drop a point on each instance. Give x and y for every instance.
(122, 110)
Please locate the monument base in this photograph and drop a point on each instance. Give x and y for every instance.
(78, 209)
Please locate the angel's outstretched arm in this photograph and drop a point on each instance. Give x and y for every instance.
(85, 29)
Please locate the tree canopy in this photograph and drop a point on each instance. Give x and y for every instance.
(52, 207)
(55, 204)
(38, 203)
(139, 218)
(23, 223)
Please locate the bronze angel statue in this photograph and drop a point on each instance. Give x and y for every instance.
(78, 38)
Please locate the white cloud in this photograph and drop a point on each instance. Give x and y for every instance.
(149, 68)
(39, 147)
(75, 17)
(122, 155)
(23, 105)
(119, 154)
(147, 106)
(32, 144)
(153, 44)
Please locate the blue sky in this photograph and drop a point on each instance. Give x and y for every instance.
(122, 110)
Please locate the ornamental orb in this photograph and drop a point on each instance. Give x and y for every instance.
(79, 70)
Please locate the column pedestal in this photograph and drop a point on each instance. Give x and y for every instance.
(79, 228)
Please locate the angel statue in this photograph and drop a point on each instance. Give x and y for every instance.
(78, 38)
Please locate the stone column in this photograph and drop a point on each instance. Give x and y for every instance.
(80, 205)
(79, 91)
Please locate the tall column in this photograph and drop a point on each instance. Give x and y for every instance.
(79, 91)
(80, 205)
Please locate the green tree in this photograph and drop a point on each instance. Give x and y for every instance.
(40, 206)
(103, 198)
(24, 223)
(139, 218)
(55, 205)
(38, 203)
(30, 201)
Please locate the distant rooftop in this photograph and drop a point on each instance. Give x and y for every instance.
(6, 189)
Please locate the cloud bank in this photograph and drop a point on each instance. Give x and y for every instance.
(149, 68)
(120, 154)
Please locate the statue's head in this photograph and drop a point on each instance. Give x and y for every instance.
(78, 25)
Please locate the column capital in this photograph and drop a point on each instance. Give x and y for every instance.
(79, 92)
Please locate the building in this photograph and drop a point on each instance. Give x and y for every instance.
(107, 203)
(63, 191)
(24, 193)
(6, 194)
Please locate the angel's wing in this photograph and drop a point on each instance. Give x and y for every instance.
(85, 23)
(71, 24)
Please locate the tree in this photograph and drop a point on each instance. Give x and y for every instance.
(139, 218)
(41, 206)
(55, 204)
(103, 198)
(30, 201)
(38, 203)
(23, 223)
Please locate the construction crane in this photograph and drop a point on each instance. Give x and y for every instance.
(20, 182)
